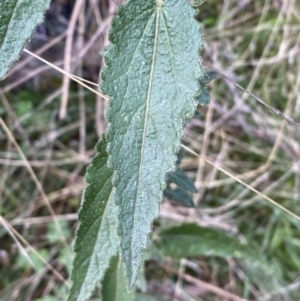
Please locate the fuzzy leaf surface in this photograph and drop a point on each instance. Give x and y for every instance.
(114, 283)
(152, 78)
(18, 20)
(192, 240)
(96, 240)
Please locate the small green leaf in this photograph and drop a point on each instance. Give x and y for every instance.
(181, 193)
(114, 283)
(192, 240)
(204, 97)
(65, 259)
(209, 76)
(96, 241)
(152, 94)
(179, 178)
(18, 20)
(184, 185)
(179, 196)
(53, 236)
(35, 260)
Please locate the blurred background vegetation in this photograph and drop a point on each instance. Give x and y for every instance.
(50, 128)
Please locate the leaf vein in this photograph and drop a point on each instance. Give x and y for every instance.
(138, 44)
(146, 117)
(171, 53)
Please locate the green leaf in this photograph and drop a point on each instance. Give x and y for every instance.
(53, 236)
(209, 76)
(141, 282)
(36, 262)
(204, 97)
(96, 241)
(179, 178)
(18, 20)
(65, 259)
(114, 283)
(179, 196)
(184, 185)
(152, 253)
(192, 240)
(152, 77)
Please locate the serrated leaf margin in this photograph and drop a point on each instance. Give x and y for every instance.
(110, 131)
(108, 215)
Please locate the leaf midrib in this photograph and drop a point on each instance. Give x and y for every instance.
(146, 114)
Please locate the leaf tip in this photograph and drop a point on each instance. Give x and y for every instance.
(131, 281)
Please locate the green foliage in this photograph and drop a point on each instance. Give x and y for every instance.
(144, 297)
(18, 20)
(53, 236)
(96, 248)
(141, 283)
(134, 120)
(23, 107)
(193, 240)
(114, 283)
(33, 259)
(179, 196)
(152, 94)
(204, 97)
(65, 259)
(184, 185)
(96, 239)
(209, 76)
(179, 178)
